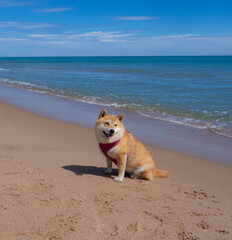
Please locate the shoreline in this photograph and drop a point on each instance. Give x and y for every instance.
(175, 137)
(53, 186)
(205, 125)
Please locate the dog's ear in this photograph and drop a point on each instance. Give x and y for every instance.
(121, 117)
(102, 114)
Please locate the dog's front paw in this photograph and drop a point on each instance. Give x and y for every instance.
(118, 179)
(108, 171)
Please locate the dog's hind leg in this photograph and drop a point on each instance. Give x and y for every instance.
(134, 176)
(142, 172)
(148, 175)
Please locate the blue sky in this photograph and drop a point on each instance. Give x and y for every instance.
(115, 28)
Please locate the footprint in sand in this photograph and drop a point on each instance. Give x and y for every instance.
(223, 232)
(186, 235)
(203, 224)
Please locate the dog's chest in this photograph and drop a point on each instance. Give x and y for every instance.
(113, 152)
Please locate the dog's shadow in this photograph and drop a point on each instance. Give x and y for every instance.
(91, 170)
(88, 170)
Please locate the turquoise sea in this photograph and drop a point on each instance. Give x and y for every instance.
(193, 91)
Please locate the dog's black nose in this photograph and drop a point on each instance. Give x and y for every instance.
(111, 131)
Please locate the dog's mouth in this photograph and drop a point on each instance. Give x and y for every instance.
(109, 136)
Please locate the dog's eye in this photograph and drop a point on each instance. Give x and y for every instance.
(115, 125)
(107, 123)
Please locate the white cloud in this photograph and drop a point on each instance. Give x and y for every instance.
(136, 18)
(121, 43)
(180, 36)
(43, 35)
(11, 3)
(12, 39)
(119, 36)
(186, 37)
(89, 34)
(111, 40)
(52, 10)
(25, 25)
(95, 35)
(102, 35)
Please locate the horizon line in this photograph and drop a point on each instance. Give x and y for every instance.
(208, 55)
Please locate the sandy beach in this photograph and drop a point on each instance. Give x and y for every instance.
(53, 186)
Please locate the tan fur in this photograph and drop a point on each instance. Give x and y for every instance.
(131, 154)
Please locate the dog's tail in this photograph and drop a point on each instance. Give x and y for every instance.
(160, 173)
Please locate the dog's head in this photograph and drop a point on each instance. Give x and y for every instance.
(109, 128)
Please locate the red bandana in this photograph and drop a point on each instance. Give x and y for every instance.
(105, 147)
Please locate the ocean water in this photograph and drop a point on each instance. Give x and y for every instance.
(192, 91)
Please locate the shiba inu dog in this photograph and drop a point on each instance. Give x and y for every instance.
(122, 148)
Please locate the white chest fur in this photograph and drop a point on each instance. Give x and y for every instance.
(113, 152)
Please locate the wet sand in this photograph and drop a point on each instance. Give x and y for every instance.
(53, 186)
